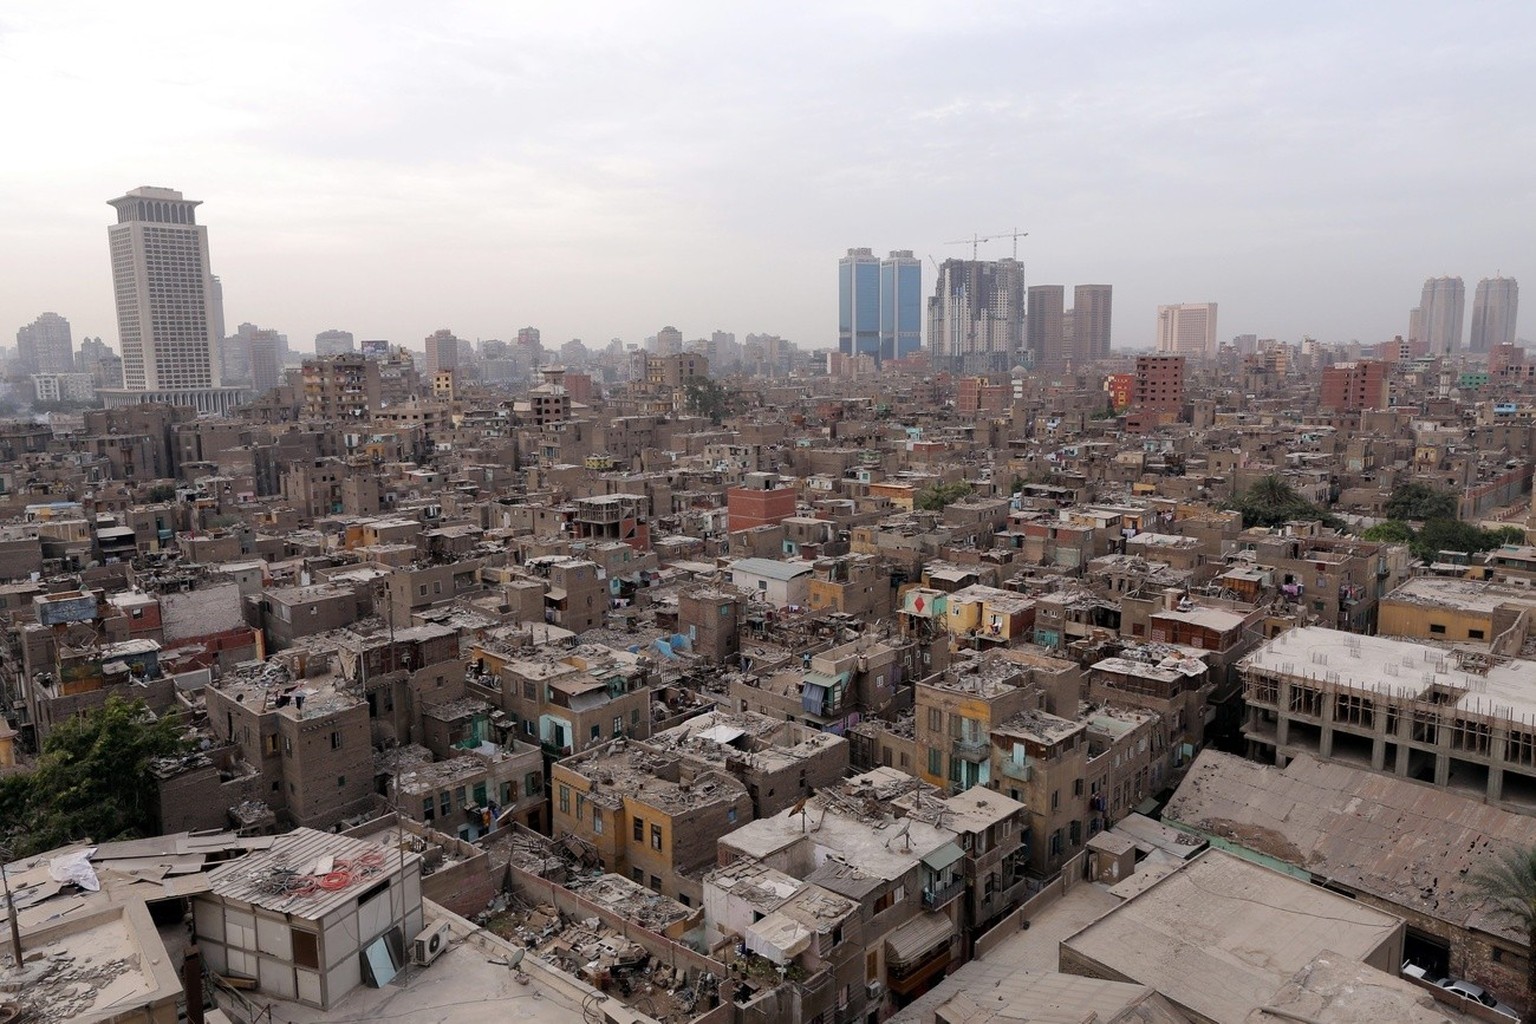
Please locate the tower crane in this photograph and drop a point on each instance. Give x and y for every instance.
(975, 241)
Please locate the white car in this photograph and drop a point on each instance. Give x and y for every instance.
(1478, 994)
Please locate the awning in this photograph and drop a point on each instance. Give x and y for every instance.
(722, 733)
(944, 856)
(918, 936)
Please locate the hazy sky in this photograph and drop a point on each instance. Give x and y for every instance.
(600, 170)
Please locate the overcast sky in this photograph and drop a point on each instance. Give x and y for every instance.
(600, 170)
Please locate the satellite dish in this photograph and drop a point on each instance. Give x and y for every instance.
(516, 957)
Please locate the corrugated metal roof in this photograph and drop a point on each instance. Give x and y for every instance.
(287, 878)
(918, 936)
(773, 570)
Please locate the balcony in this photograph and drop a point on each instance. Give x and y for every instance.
(972, 748)
(933, 899)
(1021, 772)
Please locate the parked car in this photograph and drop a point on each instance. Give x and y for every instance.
(1413, 970)
(1478, 994)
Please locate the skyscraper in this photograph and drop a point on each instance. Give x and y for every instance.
(1442, 309)
(901, 304)
(1187, 328)
(1091, 306)
(1044, 330)
(858, 303)
(46, 346)
(976, 315)
(164, 290)
(1494, 309)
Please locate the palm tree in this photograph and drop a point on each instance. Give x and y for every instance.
(1509, 882)
(1272, 492)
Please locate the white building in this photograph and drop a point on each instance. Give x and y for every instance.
(307, 918)
(778, 584)
(1187, 328)
(64, 387)
(164, 291)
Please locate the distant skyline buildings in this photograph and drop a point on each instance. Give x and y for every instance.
(1045, 326)
(1187, 328)
(334, 343)
(1442, 309)
(1495, 308)
(976, 316)
(46, 345)
(1058, 336)
(879, 304)
(1092, 316)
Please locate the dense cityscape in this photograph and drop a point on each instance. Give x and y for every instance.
(949, 672)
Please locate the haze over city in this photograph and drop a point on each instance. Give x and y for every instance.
(395, 169)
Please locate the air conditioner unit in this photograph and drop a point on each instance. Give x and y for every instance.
(430, 944)
(875, 990)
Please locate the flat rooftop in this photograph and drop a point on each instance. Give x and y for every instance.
(1221, 935)
(1404, 669)
(1459, 594)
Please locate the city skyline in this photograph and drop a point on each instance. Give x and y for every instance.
(1259, 172)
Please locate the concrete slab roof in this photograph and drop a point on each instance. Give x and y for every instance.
(1221, 935)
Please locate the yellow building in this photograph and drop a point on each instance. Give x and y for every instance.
(647, 817)
(1457, 609)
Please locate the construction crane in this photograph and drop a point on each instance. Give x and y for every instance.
(975, 241)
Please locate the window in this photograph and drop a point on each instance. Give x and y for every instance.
(1055, 799)
(730, 814)
(935, 761)
(618, 725)
(581, 805)
(935, 720)
(458, 799)
(428, 809)
(306, 949)
(637, 875)
(597, 733)
(269, 743)
(444, 803)
(634, 716)
(532, 783)
(639, 830)
(422, 590)
(565, 799)
(655, 883)
(1077, 787)
(341, 782)
(655, 837)
(1438, 629)
(335, 740)
(597, 820)
(1476, 634)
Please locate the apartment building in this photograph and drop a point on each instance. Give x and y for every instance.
(653, 818)
(1076, 776)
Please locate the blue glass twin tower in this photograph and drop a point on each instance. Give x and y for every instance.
(880, 304)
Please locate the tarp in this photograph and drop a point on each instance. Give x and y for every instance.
(778, 937)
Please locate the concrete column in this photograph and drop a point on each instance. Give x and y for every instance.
(1325, 742)
(1379, 753)
(1442, 770)
(1495, 783)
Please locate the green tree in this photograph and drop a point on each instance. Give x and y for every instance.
(1270, 501)
(1508, 880)
(933, 499)
(1422, 502)
(1393, 531)
(1454, 535)
(705, 397)
(92, 781)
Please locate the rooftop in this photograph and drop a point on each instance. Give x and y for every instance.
(286, 877)
(1221, 934)
(1459, 594)
(1400, 841)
